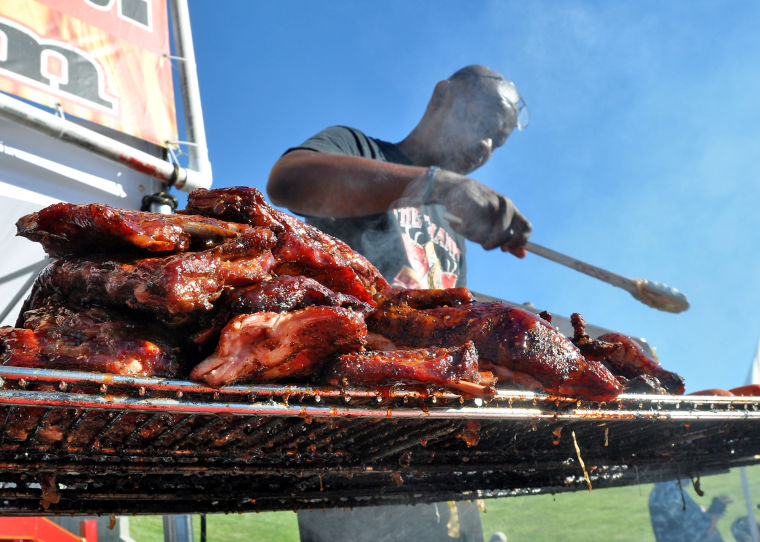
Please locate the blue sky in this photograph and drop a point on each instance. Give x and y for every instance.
(642, 155)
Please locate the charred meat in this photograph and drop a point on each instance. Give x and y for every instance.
(296, 255)
(58, 335)
(269, 346)
(175, 284)
(66, 229)
(506, 336)
(427, 299)
(288, 293)
(625, 357)
(276, 294)
(453, 368)
(316, 250)
(260, 296)
(631, 361)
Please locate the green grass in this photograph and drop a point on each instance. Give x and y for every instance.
(249, 527)
(606, 515)
(603, 515)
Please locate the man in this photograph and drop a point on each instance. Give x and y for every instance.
(408, 206)
(676, 517)
(742, 530)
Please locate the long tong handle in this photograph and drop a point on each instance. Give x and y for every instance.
(657, 295)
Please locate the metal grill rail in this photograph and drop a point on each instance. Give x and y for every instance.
(114, 444)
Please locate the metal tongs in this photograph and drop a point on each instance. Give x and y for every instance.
(657, 295)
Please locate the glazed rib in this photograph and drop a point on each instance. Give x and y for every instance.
(631, 361)
(276, 294)
(268, 346)
(61, 336)
(454, 368)
(508, 336)
(297, 255)
(287, 293)
(176, 284)
(317, 252)
(625, 357)
(426, 299)
(66, 229)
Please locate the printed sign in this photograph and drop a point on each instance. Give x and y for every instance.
(105, 61)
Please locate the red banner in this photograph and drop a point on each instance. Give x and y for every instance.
(102, 60)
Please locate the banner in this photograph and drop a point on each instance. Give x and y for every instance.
(105, 61)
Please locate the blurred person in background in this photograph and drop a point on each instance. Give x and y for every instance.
(676, 517)
(740, 529)
(408, 207)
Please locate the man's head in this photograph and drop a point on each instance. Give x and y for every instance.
(469, 115)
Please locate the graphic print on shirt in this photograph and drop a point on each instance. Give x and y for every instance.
(432, 253)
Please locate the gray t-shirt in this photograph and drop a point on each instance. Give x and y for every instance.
(412, 246)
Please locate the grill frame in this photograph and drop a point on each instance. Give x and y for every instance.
(116, 444)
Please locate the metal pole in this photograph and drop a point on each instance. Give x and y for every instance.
(751, 521)
(191, 94)
(56, 126)
(753, 377)
(178, 528)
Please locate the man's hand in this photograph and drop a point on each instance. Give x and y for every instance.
(485, 216)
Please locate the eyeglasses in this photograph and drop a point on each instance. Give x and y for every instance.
(479, 113)
(521, 113)
(520, 108)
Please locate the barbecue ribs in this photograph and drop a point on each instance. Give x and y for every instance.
(59, 335)
(427, 299)
(305, 250)
(287, 293)
(275, 298)
(453, 368)
(505, 336)
(268, 346)
(626, 358)
(172, 285)
(277, 294)
(66, 229)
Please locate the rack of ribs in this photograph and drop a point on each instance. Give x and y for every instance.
(269, 346)
(176, 284)
(453, 368)
(61, 335)
(65, 229)
(507, 337)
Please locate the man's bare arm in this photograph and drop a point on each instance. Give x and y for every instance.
(326, 184)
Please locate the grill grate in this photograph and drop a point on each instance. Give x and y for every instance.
(116, 444)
